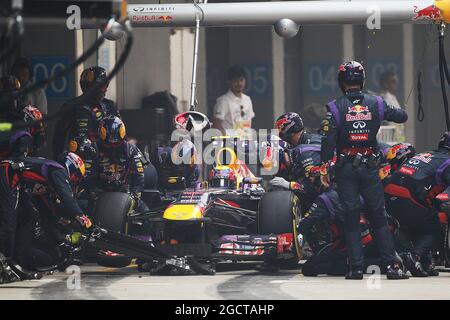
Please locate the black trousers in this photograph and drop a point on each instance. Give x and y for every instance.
(362, 180)
(36, 236)
(315, 225)
(9, 196)
(333, 262)
(420, 225)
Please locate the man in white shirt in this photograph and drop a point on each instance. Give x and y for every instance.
(389, 84)
(23, 71)
(233, 112)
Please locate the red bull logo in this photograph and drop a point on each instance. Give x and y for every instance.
(358, 113)
(430, 13)
(358, 109)
(279, 124)
(165, 18)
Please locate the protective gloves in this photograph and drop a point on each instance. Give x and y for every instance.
(84, 221)
(284, 184)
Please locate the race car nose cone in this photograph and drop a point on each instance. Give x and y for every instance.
(286, 28)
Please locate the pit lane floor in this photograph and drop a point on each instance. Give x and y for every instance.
(231, 282)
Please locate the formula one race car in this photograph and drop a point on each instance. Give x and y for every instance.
(228, 217)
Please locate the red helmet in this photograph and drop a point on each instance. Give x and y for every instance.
(32, 114)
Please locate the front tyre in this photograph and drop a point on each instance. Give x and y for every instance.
(278, 213)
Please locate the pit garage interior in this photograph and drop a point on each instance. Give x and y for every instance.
(297, 74)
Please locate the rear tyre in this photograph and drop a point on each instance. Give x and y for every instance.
(111, 213)
(278, 213)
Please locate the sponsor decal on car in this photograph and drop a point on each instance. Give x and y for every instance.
(408, 171)
(242, 250)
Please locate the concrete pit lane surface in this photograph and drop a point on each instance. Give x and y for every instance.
(232, 281)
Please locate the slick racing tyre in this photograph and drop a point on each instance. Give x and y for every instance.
(111, 213)
(150, 177)
(278, 213)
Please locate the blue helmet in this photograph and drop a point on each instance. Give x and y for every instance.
(351, 73)
(74, 165)
(288, 124)
(112, 132)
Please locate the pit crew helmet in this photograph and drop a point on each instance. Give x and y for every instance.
(83, 147)
(74, 165)
(31, 115)
(399, 153)
(288, 124)
(92, 77)
(111, 132)
(351, 73)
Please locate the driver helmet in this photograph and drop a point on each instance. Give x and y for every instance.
(222, 177)
(74, 165)
(112, 132)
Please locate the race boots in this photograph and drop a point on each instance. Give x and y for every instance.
(355, 254)
(7, 275)
(395, 272)
(385, 243)
(413, 265)
(355, 274)
(428, 265)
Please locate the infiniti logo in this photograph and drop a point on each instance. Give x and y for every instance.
(414, 162)
(138, 9)
(359, 124)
